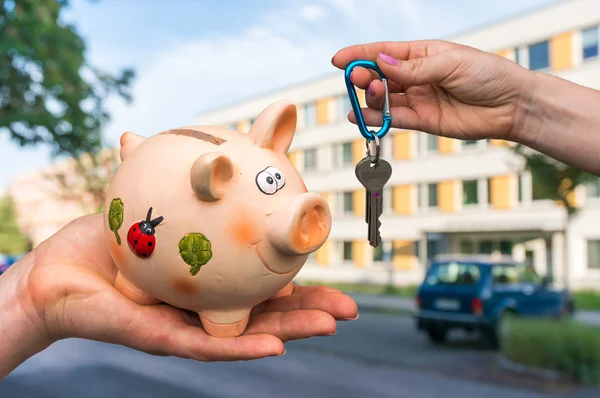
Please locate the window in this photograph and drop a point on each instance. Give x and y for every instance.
(347, 153)
(520, 187)
(455, 273)
(485, 247)
(506, 247)
(347, 249)
(467, 143)
(310, 159)
(470, 192)
(378, 253)
(466, 246)
(310, 115)
(346, 106)
(348, 202)
(432, 143)
(593, 188)
(593, 253)
(489, 190)
(517, 56)
(539, 55)
(506, 274)
(589, 38)
(432, 193)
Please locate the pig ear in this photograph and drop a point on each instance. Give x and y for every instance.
(210, 175)
(275, 126)
(129, 142)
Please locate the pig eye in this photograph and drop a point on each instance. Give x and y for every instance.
(266, 182)
(279, 179)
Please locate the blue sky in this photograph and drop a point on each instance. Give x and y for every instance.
(193, 55)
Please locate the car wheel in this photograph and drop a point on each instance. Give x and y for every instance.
(502, 327)
(437, 334)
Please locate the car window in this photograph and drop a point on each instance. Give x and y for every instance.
(453, 273)
(507, 274)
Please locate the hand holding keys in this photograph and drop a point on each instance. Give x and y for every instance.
(372, 171)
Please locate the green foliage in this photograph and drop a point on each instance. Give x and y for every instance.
(366, 288)
(587, 300)
(571, 348)
(12, 240)
(44, 97)
(115, 217)
(553, 179)
(195, 250)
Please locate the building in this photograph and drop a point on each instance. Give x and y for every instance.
(445, 195)
(47, 200)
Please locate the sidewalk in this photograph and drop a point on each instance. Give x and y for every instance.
(408, 304)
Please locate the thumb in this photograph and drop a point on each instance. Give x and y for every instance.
(419, 71)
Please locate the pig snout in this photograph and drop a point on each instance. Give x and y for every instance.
(300, 227)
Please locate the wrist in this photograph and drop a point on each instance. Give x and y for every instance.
(22, 330)
(531, 111)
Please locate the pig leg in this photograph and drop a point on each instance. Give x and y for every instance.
(134, 294)
(286, 291)
(223, 324)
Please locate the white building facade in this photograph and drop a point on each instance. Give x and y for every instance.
(445, 195)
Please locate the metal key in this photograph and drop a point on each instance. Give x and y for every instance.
(373, 176)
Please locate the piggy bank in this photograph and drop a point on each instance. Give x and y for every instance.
(211, 220)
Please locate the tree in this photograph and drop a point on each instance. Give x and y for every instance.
(12, 240)
(44, 97)
(556, 181)
(85, 179)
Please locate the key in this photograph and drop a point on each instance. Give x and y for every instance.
(373, 178)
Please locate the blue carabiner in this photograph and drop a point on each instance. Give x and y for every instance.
(387, 117)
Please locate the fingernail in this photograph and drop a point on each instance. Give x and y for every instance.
(329, 334)
(350, 319)
(388, 59)
(370, 90)
(283, 353)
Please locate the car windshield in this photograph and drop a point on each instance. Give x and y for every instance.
(453, 273)
(507, 274)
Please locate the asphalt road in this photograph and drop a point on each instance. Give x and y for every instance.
(375, 356)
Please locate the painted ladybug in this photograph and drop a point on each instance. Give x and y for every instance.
(141, 237)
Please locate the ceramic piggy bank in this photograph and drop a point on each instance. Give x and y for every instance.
(212, 220)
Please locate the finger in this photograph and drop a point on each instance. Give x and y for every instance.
(163, 330)
(375, 96)
(299, 289)
(193, 342)
(402, 118)
(433, 69)
(362, 77)
(400, 50)
(292, 325)
(338, 305)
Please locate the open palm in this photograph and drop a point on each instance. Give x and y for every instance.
(71, 288)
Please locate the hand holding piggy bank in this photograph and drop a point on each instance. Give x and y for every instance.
(212, 220)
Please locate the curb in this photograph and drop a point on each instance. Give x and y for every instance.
(547, 374)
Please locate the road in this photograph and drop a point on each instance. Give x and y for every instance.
(375, 356)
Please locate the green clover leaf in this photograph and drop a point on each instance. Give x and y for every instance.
(195, 250)
(115, 217)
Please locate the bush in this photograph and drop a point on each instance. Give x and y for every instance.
(587, 300)
(568, 347)
(366, 288)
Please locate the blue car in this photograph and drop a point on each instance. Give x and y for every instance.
(478, 293)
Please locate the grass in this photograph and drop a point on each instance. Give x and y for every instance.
(386, 290)
(587, 300)
(570, 348)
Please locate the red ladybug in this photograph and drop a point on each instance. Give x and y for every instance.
(141, 237)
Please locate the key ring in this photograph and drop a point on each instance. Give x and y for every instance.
(360, 121)
(374, 158)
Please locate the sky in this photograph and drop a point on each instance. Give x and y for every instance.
(194, 55)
